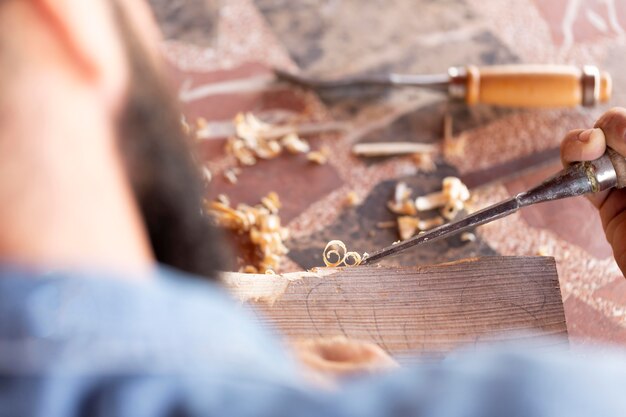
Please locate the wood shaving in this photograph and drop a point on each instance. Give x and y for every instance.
(392, 149)
(468, 237)
(201, 123)
(294, 144)
(427, 224)
(206, 173)
(452, 147)
(425, 162)
(261, 223)
(222, 198)
(319, 157)
(231, 175)
(451, 200)
(336, 254)
(409, 226)
(544, 251)
(402, 202)
(386, 225)
(255, 140)
(352, 199)
(271, 202)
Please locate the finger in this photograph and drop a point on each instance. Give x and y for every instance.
(340, 356)
(582, 145)
(613, 124)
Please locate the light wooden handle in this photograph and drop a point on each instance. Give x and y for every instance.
(535, 85)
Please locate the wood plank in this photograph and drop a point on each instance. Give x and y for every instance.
(427, 310)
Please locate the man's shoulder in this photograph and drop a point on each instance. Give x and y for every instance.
(97, 321)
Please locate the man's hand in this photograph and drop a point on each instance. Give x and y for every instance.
(590, 144)
(330, 358)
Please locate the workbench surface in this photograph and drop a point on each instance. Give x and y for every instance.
(221, 65)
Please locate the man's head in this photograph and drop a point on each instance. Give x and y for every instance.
(108, 50)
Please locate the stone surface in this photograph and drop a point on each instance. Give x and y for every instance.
(498, 152)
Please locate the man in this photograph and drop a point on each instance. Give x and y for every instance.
(97, 187)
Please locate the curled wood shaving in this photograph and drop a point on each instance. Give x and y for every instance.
(352, 259)
(261, 223)
(336, 254)
(255, 140)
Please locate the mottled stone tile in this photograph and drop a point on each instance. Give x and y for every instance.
(588, 326)
(574, 220)
(358, 229)
(193, 21)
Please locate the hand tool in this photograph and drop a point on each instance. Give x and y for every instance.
(580, 178)
(504, 85)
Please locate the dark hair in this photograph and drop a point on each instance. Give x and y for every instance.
(166, 181)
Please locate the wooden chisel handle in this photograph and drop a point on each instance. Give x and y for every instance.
(530, 85)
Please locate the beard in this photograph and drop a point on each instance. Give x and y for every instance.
(165, 180)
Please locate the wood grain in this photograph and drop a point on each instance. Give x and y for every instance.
(421, 310)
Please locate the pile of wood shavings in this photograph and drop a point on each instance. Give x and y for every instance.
(256, 140)
(450, 201)
(260, 222)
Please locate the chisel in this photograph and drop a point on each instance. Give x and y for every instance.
(580, 178)
(503, 85)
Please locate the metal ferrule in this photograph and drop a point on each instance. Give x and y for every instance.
(602, 173)
(457, 87)
(590, 85)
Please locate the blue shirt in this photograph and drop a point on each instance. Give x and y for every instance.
(80, 343)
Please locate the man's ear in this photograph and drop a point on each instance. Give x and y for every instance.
(88, 31)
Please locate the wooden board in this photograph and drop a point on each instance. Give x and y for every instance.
(420, 310)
